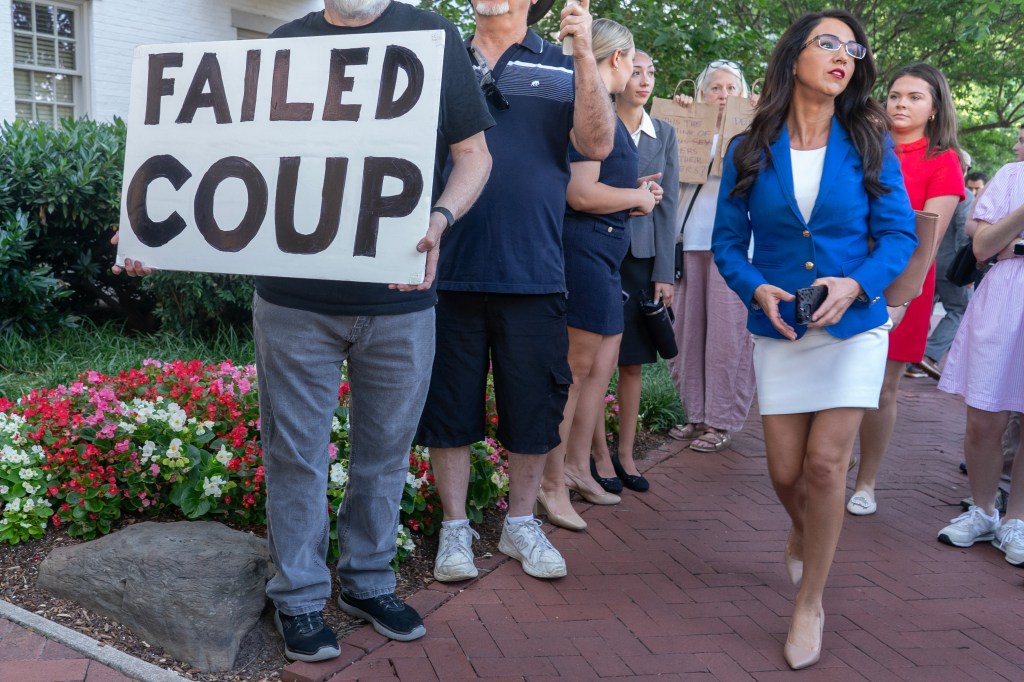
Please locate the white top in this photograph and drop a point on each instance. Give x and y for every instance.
(807, 167)
(646, 126)
(698, 227)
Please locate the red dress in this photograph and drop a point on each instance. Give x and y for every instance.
(924, 178)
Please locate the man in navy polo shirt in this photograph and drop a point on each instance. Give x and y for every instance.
(501, 285)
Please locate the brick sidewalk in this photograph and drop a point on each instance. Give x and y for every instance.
(28, 657)
(686, 582)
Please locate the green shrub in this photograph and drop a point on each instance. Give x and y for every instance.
(29, 294)
(199, 303)
(67, 180)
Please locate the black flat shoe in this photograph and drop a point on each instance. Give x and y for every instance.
(637, 483)
(611, 485)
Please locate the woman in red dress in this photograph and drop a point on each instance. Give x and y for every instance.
(924, 129)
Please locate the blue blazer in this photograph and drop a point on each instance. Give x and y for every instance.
(791, 253)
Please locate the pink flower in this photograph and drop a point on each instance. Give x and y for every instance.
(154, 469)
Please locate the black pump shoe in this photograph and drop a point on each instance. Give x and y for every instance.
(611, 485)
(637, 483)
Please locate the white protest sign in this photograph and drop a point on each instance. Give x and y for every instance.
(305, 157)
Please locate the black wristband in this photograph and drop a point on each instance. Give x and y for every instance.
(448, 217)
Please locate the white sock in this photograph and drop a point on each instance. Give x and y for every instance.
(512, 520)
(994, 518)
(455, 523)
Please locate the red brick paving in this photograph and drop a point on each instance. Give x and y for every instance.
(686, 582)
(28, 657)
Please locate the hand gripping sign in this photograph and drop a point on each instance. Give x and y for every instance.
(306, 157)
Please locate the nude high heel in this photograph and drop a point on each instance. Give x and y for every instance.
(568, 521)
(573, 483)
(799, 657)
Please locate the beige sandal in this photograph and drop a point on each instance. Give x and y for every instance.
(686, 431)
(712, 441)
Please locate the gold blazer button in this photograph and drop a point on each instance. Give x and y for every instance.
(808, 265)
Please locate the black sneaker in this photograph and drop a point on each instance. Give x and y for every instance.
(307, 637)
(389, 615)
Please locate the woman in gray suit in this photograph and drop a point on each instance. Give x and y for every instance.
(649, 267)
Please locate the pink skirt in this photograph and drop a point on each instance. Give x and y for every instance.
(986, 362)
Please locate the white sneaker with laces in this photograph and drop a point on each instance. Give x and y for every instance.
(454, 560)
(970, 527)
(1010, 541)
(528, 544)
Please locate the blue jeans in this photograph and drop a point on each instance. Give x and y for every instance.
(298, 360)
(954, 300)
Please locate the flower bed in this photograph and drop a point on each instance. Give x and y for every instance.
(177, 435)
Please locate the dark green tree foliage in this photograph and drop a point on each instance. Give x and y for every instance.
(979, 45)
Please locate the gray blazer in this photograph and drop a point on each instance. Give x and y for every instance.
(654, 235)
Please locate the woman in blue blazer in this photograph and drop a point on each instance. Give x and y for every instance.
(815, 182)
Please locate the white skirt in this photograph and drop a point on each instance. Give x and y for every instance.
(819, 371)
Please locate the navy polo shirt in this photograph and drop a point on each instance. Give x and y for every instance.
(511, 240)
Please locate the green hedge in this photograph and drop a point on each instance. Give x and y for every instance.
(60, 196)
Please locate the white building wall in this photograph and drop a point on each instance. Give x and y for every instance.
(115, 27)
(118, 26)
(6, 62)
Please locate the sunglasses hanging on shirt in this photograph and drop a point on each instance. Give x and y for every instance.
(487, 83)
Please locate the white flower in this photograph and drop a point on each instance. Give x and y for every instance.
(29, 505)
(339, 476)
(27, 474)
(177, 420)
(147, 450)
(14, 505)
(496, 479)
(212, 486)
(409, 478)
(4, 490)
(174, 451)
(404, 540)
(223, 455)
(29, 488)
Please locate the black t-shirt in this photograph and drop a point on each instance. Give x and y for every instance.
(463, 113)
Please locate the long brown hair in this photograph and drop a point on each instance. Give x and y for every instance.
(942, 127)
(862, 117)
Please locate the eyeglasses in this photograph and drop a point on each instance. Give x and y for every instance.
(487, 83)
(827, 41)
(719, 63)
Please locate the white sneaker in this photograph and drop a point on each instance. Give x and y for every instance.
(970, 527)
(1010, 541)
(454, 560)
(528, 544)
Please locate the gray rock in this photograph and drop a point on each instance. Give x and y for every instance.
(192, 588)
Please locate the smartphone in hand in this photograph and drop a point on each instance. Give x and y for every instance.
(808, 300)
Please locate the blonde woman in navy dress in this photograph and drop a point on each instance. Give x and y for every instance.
(813, 179)
(595, 237)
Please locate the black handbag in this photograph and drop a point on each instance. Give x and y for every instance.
(679, 261)
(962, 269)
(658, 319)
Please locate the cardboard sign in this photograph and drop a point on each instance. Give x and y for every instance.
(695, 127)
(736, 118)
(305, 157)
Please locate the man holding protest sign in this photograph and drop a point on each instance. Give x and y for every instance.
(501, 281)
(306, 329)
